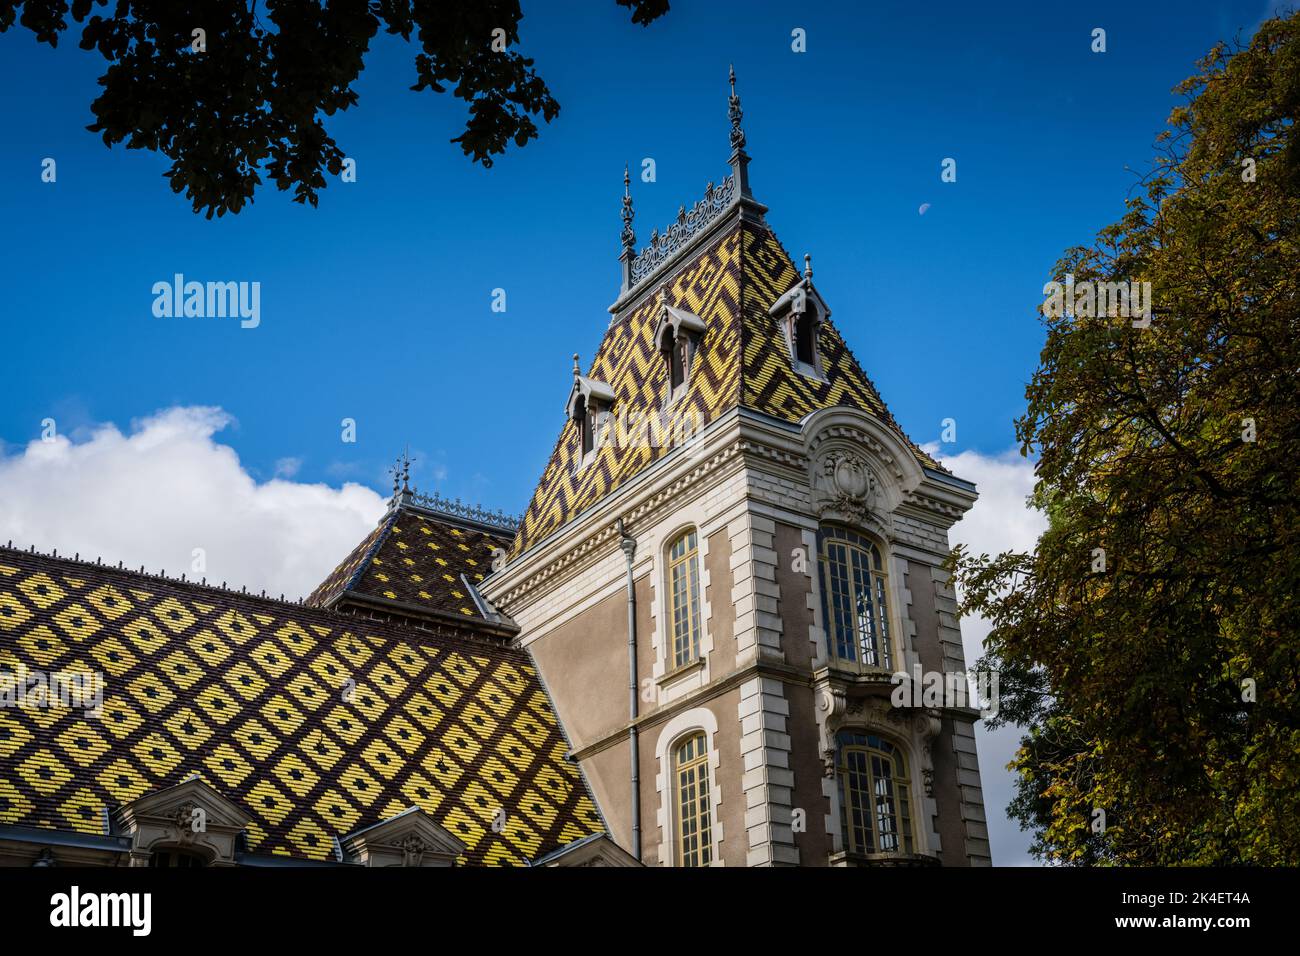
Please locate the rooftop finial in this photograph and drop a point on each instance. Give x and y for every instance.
(807, 267)
(401, 472)
(629, 236)
(737, 134)
(577, 369)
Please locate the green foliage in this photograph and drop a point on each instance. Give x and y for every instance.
(252, 102)
(1130, 680)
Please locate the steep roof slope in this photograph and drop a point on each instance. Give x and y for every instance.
(743, 361)
(421, 559)
(251, 695)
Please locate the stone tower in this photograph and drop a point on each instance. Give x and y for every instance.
(731, 552)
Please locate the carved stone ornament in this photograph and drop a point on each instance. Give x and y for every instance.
(926, 726)
(184, 821)
(413, 850)
(845, 487)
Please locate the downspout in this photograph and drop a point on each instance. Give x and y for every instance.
(628, 544)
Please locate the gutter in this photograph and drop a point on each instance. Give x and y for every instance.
(628, 544)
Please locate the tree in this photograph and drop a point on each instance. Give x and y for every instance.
(1151, 642)
(226, 95)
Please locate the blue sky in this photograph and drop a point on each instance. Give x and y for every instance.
(376, 305)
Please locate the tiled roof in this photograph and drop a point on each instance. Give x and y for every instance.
(416, 557)
(251, 695)
(743, 361)
(342, 577)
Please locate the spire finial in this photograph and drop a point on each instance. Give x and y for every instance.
(577, 369)
(401, 472)
(629, 237)
(396, 472)
(733, 103)
(807, 267)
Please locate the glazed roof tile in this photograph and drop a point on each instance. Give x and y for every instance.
(317, 723)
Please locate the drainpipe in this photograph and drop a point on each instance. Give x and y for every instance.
(628, 544)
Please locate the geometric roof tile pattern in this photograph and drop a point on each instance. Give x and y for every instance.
(742, 360)
(316, 723)
(417, 558)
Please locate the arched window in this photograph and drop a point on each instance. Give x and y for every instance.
(684, 598)
(693, 805)
(854, 603)
(875, 804)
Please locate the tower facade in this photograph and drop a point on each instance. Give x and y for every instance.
(733, 551)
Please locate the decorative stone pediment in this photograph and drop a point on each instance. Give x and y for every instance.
(191, 817)
(596, 395)
(594, 850)
(860, 471)
(410, 838)
(674, 323)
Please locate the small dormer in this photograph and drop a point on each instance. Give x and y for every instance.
(590, 402)
(800, 313)
(677, 335)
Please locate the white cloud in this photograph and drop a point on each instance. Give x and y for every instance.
(287, 467)
(154, 495)
(167, 487)
(1000, 521)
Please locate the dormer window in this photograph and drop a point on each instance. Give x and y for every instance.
(800, 313)
(678, 334)
(590, 401)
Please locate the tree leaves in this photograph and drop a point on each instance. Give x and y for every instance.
(1131, 681)
(250, 104)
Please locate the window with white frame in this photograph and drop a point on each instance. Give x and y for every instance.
(855, 604)
(693, 806)
(875, 801)
(684, 598)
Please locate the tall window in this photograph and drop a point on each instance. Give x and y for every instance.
(586, 427)
(875, 808)
(694, 820)
(805, 345)
(676, 364)
(854, 605)
(684, 598)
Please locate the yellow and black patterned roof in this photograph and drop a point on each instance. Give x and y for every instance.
(418, 558)
(316, 723)
(742, 361)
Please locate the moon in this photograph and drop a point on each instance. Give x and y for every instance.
(924, 207)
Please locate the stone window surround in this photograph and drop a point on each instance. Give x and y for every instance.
(677, 325)
(672, 683)
(597, 400)
(902, 627)
(925, 840)
(696, 720)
